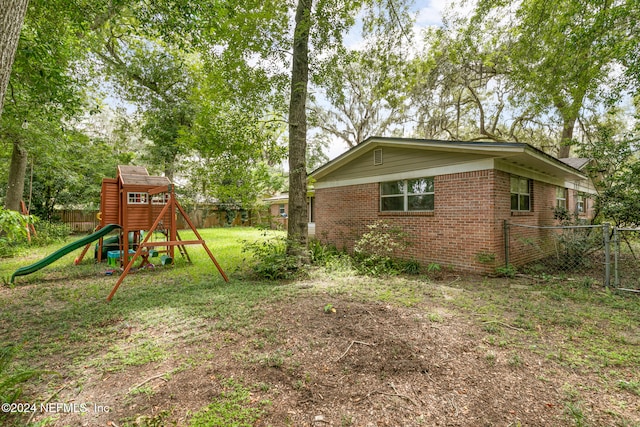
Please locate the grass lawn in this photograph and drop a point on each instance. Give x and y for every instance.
(180, 346)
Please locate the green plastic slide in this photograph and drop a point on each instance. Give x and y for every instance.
(64, 251)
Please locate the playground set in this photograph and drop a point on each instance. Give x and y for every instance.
(138, 206)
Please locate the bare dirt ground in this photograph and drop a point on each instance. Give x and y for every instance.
(353, 363)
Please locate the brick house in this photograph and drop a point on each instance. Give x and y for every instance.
(451, 198)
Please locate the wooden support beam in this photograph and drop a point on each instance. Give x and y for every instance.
(206, 248)
(170, 244)
(175, 243)
(162, 189)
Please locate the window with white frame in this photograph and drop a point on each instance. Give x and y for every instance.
(520, 194)
(561, 197)
(581, 204)
(160, 199)
(407, 195)
(134, 198)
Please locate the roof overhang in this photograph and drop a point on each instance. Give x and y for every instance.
(512, 154)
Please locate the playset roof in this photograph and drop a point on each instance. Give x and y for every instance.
(138, 175)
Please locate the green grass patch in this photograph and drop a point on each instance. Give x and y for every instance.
(592, 328)
(60, 320)
(630, 386)
(232, 408)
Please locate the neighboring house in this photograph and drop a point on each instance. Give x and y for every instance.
(451, 198)
(279, 211)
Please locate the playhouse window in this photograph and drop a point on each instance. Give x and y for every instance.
(520, 194)
(561, 197)
(137, 198)
(160, 199)
(407, 195)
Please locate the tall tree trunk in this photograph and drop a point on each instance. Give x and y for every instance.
(17, 173)
(297, 225)
(568, 123)
(11, 18)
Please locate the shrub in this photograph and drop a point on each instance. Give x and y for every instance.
(507, 271)
(320, 253)
(49, 233)
(573, 244)
(13, 225)
(271, 260)
(375, 250)
(411, 266)
(13, 232)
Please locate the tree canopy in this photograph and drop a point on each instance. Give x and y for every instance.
(219, 93)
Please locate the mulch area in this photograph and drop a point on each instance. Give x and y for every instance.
(366, 364)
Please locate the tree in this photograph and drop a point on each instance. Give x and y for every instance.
(71, 175)
(298, 217)
(42, 90)
(321, 27)
(206, 101)
(614, 167)
(157, 79)
(461, 90)
(561, 52)
(11, 19)
(366, 90)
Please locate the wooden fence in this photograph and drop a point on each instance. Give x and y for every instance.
(84, 221)
(79, 221)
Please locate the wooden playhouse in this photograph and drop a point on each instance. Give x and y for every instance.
(146, 209)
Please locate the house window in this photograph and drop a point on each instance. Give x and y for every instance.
(312, 209)
(520, 194)
(561, 197)
(282, 210)
(137, 198)
(407, 195)
(580, 204)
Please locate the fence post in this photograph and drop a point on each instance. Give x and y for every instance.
(616, 254)
(505, 226)
(607, 255)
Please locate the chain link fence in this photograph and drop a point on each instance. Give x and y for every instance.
(626, 261)
(591, 253)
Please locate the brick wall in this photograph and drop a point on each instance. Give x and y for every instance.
(528, 244)
(276, 220)
(465, 230)
(459, 229)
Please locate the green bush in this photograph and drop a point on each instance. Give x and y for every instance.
(13, 225)
(574, 244)
(321, 253)
(374, 252)
(48, 233)
(270, 259)
(13, 232)
(507, 271)
(411, 266)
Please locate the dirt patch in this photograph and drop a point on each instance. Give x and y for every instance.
(364, 364)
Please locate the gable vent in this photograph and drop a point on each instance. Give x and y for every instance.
(377, 157)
